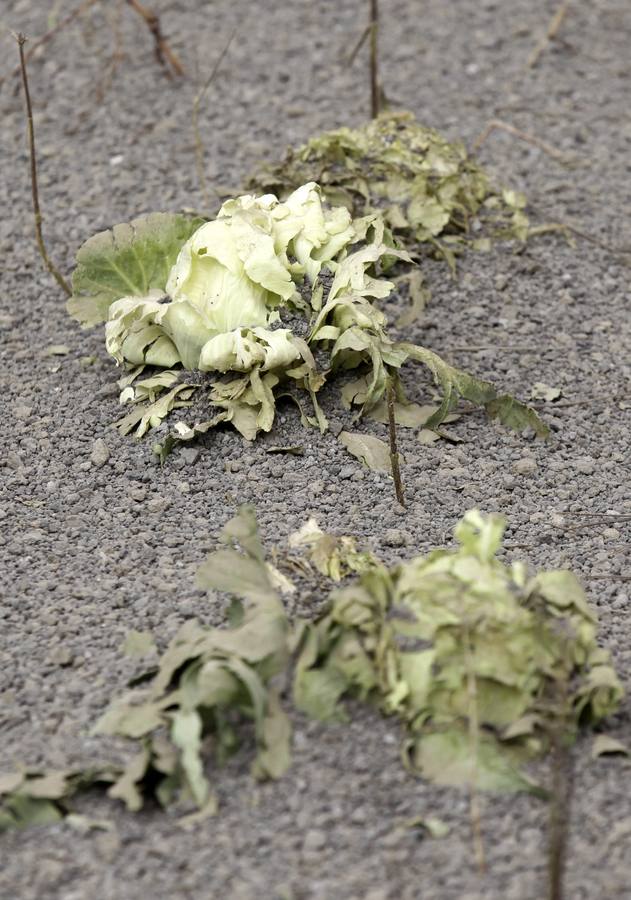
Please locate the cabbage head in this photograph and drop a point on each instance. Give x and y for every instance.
(227, 284)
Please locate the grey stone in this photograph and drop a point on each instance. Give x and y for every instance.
(314, 840)
(100, 453)
(585, 465)
(190, 455)
(525, 466)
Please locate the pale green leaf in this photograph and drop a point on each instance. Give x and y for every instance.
(604, 745)
(373, 452)
(128, 260)
(448, 758)
(516, 415)
(138, 643)
(186, 731)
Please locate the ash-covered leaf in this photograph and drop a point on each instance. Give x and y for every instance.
(541, 391)
(370, 450)
(408, 415)
(450, 758)
(186, 733)
(424, 186)
(516, 415)
(138, 643)
(273, 756)
(57, 350)
(332, 555)
(29, 798)
(147, 416)
(605, 745)
(428, 436)
(128, 786)
(23, 811)
(128, 260)
(129, 719)
(317, 693)
(434, 827)
(419, 297)
(243, 574)
(85, 824)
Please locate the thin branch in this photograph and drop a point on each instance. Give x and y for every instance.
(165, 56)
(602, 576)
(49, 35)
(118, 55)
(375, 93)
(394, 453)
(560, 795)
(564, 404)
(350, 59)
(474, 738)
(37, 215)
(517, 348)
(597, 515)
(499, 125)
(620, 252)
(596, 523)
(550, 35)
(199, 146)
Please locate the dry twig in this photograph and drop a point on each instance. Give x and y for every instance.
(394, 453)
(560, 794)
(499, 125)
(45, 38)
(37, 215)
(474, 737)
(375, 94)
(551, 33)
(117, 56)
(350, 59)
(165, 56)
(622, 253)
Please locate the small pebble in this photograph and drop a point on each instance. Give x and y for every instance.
(100, 453)
(525, 466)
(585, 465)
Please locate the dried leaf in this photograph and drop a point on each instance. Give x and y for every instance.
(371, 451)
(435, 828)
(186, 733)
(448, 757)
(516, 415)
(295, 450)
(128, 260)
(408, 415)
(541, 391)
(604, 745)
(57, 350)
(138, 643)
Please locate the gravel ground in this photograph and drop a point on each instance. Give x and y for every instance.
(92, 547)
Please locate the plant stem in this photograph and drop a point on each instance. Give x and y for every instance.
(50, 34)
(499, 125)
(394, 453)
(165, 56)
(54, 271)
(474, 738)
(560, 793)
(550, 35)
(375, 99)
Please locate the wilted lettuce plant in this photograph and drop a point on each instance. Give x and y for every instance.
(257, 296)
(428, 190)
(413, 638)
